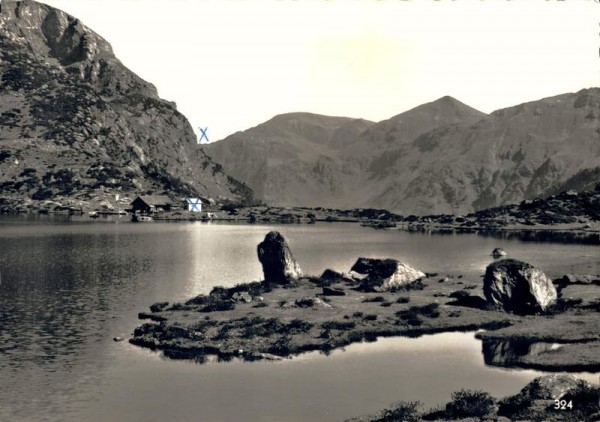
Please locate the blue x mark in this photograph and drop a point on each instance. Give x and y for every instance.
(194, 204)
(203, 136)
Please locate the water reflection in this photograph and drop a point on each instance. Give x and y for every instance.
(539, 236)
(53, 289)
(567, 238)
(69, 287)
(510, 352)
(519, 352)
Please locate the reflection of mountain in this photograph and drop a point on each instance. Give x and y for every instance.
(60, 299)
(512, 352)
(73, 118)
(547, 236)
(66, 291)
(76, 274)
(441, 157)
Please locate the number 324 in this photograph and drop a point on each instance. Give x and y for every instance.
(563, 404)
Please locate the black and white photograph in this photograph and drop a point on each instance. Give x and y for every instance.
(299, 210)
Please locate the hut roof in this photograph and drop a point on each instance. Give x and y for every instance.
(156, 199)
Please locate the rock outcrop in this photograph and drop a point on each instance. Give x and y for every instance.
(581, 279)
(76, 124)
(279, 266)
(384, 274)
(550, 387)
(537, 398)
(518, 287)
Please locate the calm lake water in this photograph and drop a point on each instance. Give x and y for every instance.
(68, 288)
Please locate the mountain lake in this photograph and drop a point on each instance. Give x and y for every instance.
(69, 287)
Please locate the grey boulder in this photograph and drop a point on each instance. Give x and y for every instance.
(384, 274)
(518, 287)
(279, 266)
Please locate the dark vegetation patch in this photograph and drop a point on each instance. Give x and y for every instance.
(107, 174)
(261, 327)
(168, 182)
(372, 284)
(470, 404)
(401, 411)
(338, 325)
(305, 302)
(62, 181)
(416, 285)
(218, 306)
(463, 298)
(375, 299)
(563, 305)
(4, 155)
(242, 191)
(413, 315)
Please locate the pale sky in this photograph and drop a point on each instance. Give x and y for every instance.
(231, 64)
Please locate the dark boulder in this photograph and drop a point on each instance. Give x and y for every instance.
(311, 302)
(518, 287)
(384, 274)
(330, 291)
(332, 276)
(463, 298)
(498, 252)
(158, 306)
(580, 279)
(279, 266)
(538, 396)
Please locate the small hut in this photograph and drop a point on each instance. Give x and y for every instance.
(148, 204)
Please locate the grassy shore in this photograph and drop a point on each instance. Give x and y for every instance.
(256, 321)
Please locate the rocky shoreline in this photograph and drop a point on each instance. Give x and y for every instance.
(570, 212)
(553, 329)
(525, 320)
(546, 398)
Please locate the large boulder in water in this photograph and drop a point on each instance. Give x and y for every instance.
(518, 287)
(498, 253)
(279, 266)
(384, 274)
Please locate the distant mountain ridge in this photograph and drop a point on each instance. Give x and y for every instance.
(440, 157)
(75, 123)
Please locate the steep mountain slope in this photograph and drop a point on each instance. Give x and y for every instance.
(76, 123)
(441, 157)
(516, 153)
(291, 159)
(312, 160)
(406, 127)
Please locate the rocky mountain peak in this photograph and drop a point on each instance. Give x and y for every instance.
(446, 108)
(53, 33)
(440, 157)
(76, 123)
(60, 39)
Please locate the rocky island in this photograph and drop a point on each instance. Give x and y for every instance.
(527, 319)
